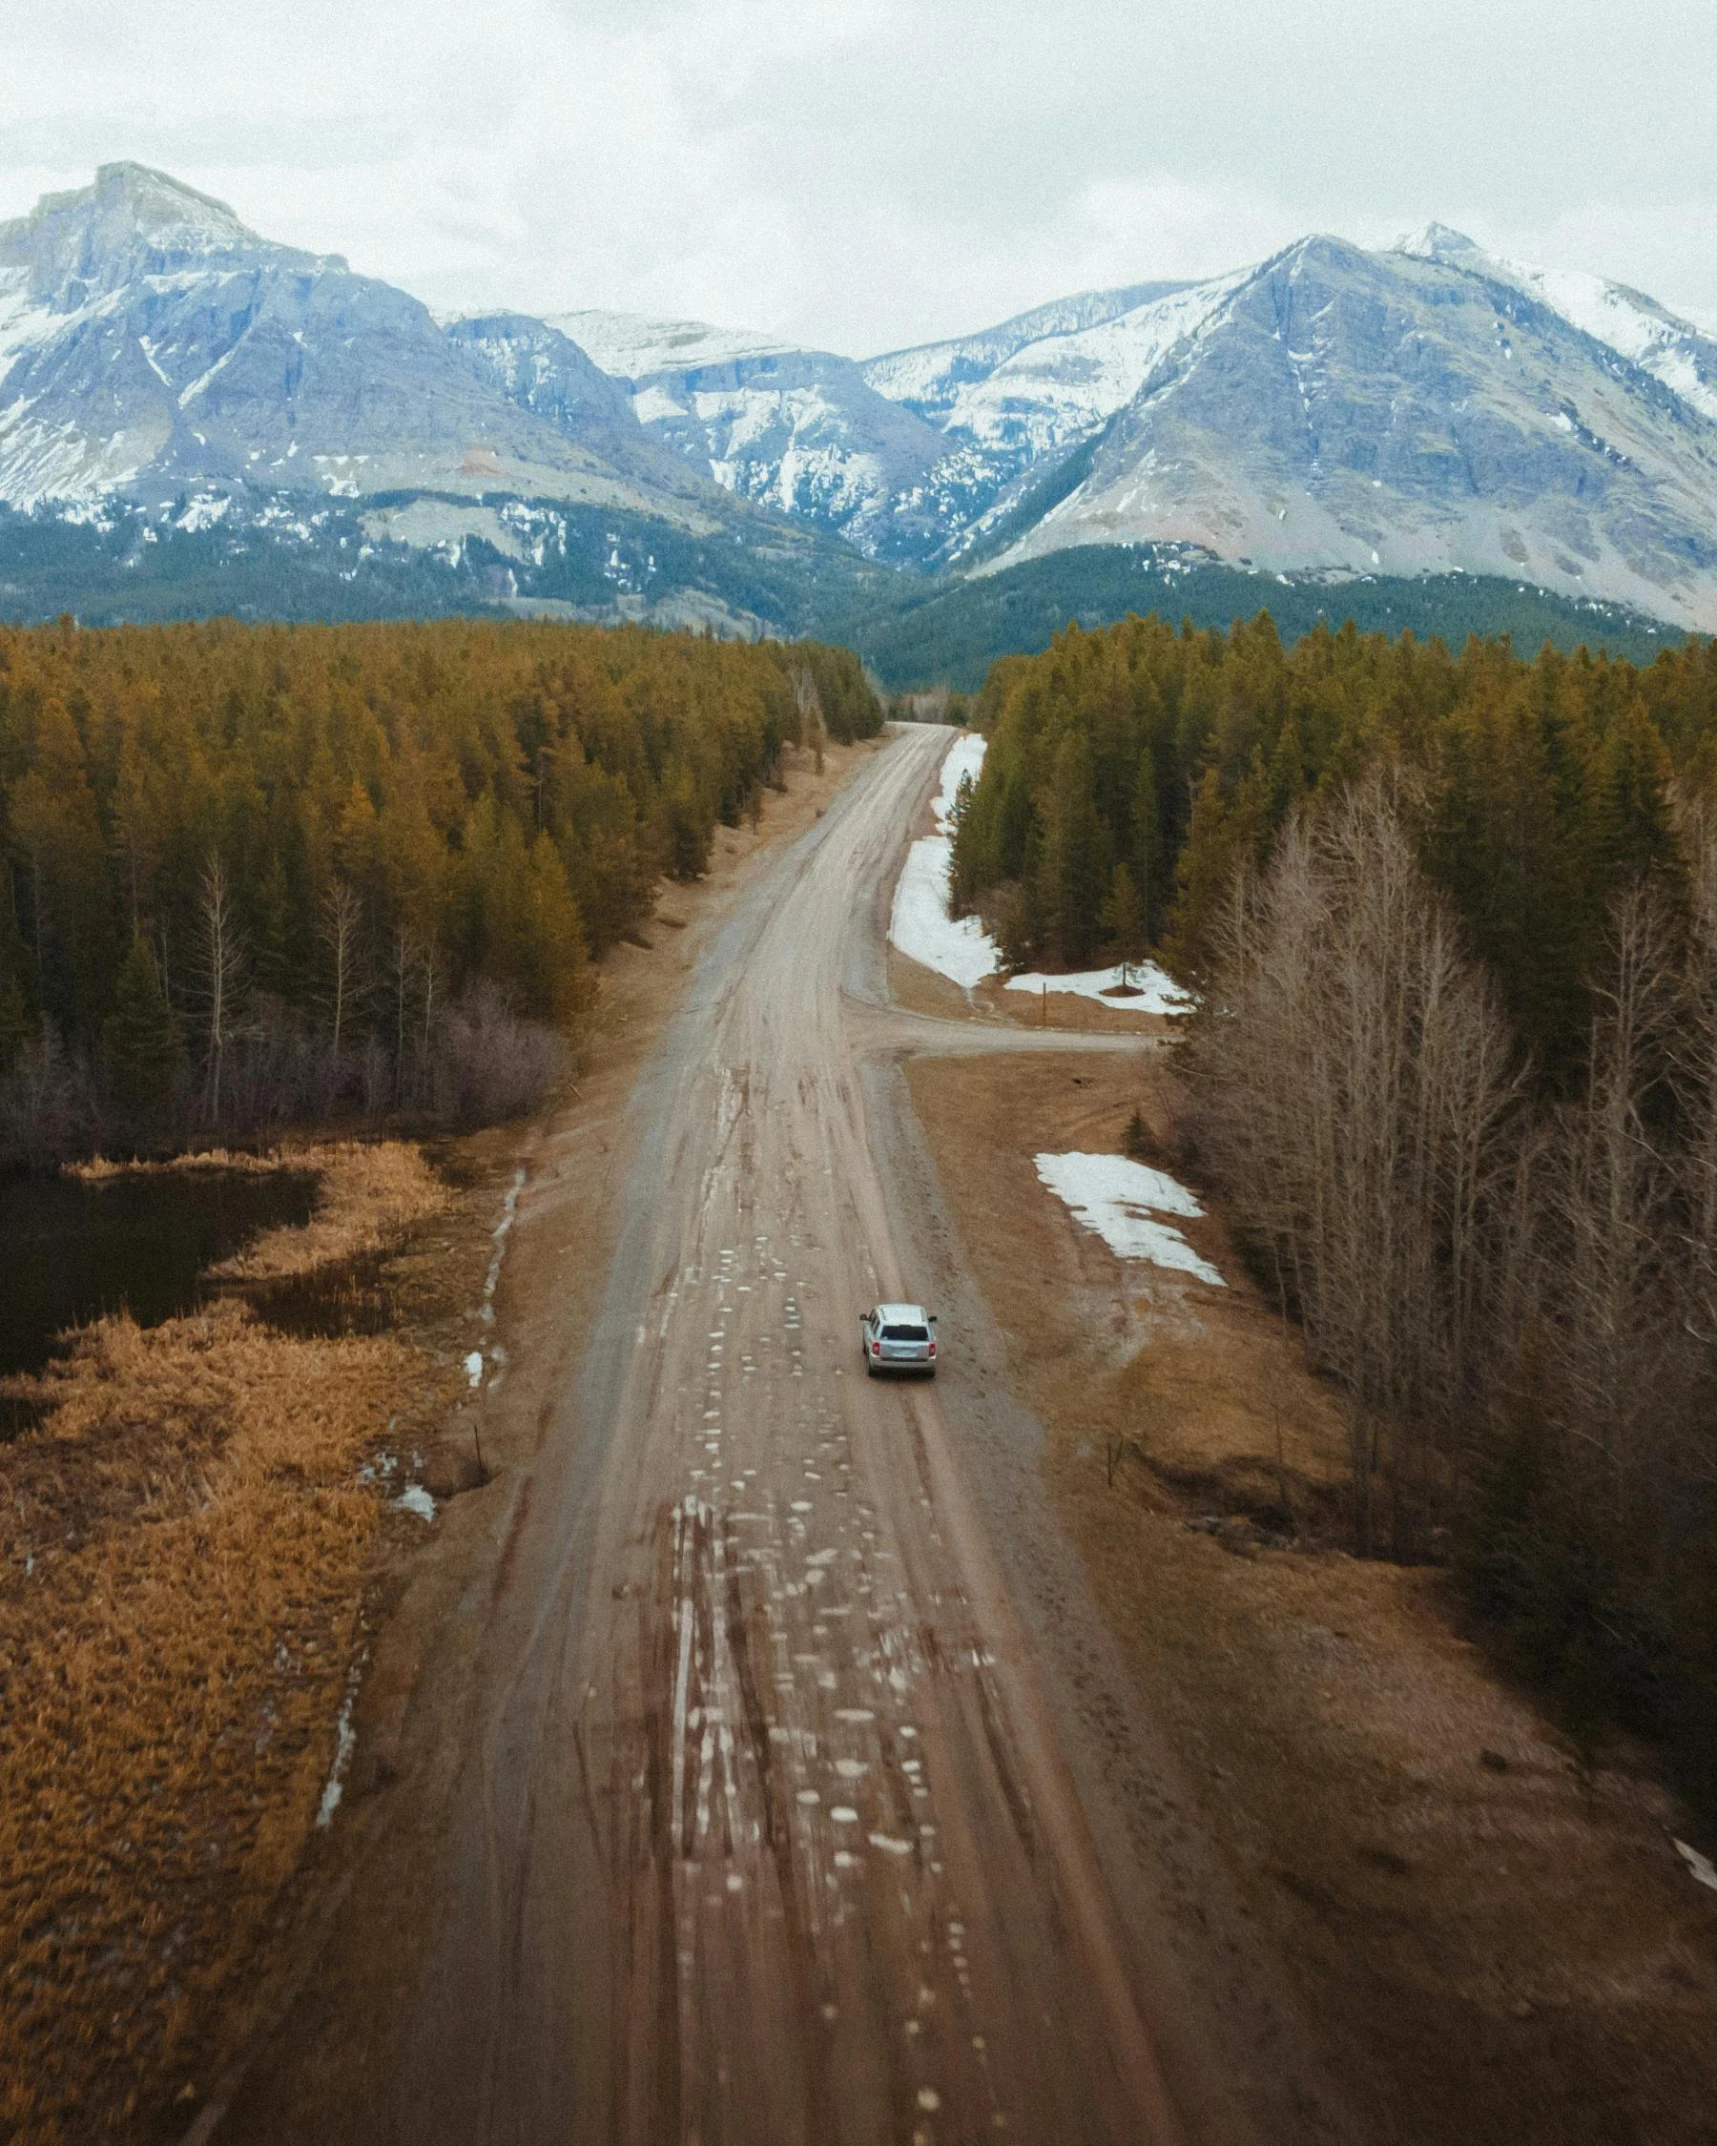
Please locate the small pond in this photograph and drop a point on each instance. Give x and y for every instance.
(70, 1251)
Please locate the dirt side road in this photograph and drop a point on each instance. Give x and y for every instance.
(761, 1829)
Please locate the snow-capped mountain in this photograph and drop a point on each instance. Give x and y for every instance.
(930, 376)
(906, 455)
(1426, 409)
(1344, 410)
(1018, 398)
(1682, 356)
(799, 431)
(150, 342)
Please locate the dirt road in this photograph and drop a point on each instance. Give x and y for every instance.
(763, 1834)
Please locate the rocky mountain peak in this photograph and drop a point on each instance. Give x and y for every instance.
(1442, 242)
(130, 223)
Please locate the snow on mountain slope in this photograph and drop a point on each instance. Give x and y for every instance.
(929, 377)
(148, 339)
(799, 431)
(1061, 389)
(1673, 350)
(634, 346)
(548, 374)
(1360, 412)
(1427, 408)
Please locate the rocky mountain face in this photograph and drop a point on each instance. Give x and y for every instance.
(801, 432)
(150, 343)
(905, 455)
(1682, 356)
(1345, 411)
(1429, 409)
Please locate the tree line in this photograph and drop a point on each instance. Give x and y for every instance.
(1453, 919)
(254, 873)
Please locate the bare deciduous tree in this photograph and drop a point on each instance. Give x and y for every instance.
(340, 927)
(217, 978)
(810, 705)
(1355, 1069)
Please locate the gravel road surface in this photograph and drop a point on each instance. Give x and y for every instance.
(763, 1832)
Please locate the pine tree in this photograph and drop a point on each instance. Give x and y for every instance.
(140, 1039)
(1222, 835)
(1632, 832)
(1124, 920)
(1075, 870)
(1148, 847)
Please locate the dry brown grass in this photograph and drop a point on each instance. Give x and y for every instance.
(370, 1193)
(368, 1197)
(183, 1550)
(98, 1169)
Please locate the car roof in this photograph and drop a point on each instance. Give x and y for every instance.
(904, 1312)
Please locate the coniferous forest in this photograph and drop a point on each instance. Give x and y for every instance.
(1453, 921)
(263, 873)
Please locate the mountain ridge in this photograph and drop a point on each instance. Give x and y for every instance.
(1425, 409)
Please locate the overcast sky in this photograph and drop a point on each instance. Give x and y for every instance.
(860, 174)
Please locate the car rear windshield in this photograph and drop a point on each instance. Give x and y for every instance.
(906, 1333)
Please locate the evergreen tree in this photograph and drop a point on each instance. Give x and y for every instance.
(140, 1040)
(1222, 836)
(1075, 870)
(1124, 920)
(1631, 829)
(1148, 848)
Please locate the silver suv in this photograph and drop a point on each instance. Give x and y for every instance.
(898, 1337)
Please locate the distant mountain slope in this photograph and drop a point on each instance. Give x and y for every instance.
(1340, 409)
(149, 341)
(799, 431)
(929, 377)
(952, 631)
(637, 346)
(1431, 409)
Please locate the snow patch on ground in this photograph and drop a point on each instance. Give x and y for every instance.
(960, 948)
(965, 757)
(1121, 1201)
(956, 947)
(1157, 991)
(1703, 1869)
(345, 1743)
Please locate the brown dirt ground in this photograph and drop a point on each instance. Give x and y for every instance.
(1491, 1951)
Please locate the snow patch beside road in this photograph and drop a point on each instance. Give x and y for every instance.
(956, 947)
(1155, 990)
(1121, 1200)
(960, 948)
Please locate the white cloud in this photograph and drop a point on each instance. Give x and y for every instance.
(865, 173)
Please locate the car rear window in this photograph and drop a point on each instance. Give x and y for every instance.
(906, 1333)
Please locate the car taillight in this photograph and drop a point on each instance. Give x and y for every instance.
(933, 1348)
(876, 1348)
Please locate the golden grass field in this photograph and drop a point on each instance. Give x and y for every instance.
(184, 1544)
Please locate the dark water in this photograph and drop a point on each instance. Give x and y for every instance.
(353, 1298)
(71, 1251)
